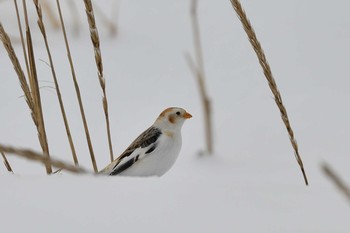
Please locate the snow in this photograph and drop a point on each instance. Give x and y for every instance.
(251, 184)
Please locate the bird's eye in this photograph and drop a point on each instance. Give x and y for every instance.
(178, 113)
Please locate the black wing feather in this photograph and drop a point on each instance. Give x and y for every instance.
(145, 139)
(124, 166)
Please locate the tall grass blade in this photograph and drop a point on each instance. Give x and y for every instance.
(34, 87)
(17, 66)
(22, 38)
(77, 90)
(198, 71)
(24, 85)
(58, 92)
(95, 39)
(270, 79)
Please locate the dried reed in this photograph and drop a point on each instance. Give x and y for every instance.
(24, 85)
(22, 38)
(36, 156)
(198, 72)
(77, 90)
(58, 92)
(6, 162)
(34, 87)
(268, 74)
(17, 66)
(343, 188)
(95, 39)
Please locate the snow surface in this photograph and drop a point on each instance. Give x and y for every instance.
(251, 184)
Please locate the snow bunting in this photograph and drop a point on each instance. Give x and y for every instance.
(155, 151)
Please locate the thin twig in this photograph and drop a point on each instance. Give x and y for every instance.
(268, 74)
(36, 156)
(27, 93)
(198, 72)
(17, 66)
(330, 173)
(77, 90)
(6, 162)
(22, 38)
(63, 112)
(34, 87)
(95, 39)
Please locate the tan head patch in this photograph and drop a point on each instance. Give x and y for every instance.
(171, 119)
(162, 114)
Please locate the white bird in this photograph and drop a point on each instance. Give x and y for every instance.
(155, 151)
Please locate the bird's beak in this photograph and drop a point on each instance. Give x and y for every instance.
(187, 115)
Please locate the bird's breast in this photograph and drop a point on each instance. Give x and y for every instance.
(166, 153)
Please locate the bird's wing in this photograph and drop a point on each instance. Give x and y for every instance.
(141, 146)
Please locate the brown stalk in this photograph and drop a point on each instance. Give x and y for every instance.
(17, 66)
(95, 39)
(198, 72)
(6, 162)
(331, 174)
(268, 74)
(77, 90)
(22, 38)
(36, 156)
(58, 92)
(27, 93)
(34, 87)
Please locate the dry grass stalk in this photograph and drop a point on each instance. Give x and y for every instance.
(22, 38)
(6, 162)
(36, 156)
(16, 65)
(198, 72)
(98, 58)
(37, 114)
(24, 85)
(58, 92)
(268, 74)
(343, 188)
(77, 90)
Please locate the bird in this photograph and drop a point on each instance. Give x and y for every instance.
(155, 150)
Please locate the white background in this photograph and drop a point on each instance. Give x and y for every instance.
(251, 184)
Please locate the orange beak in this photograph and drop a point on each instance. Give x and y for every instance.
(187, 115)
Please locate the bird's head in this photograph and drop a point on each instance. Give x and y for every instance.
(172, 118)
